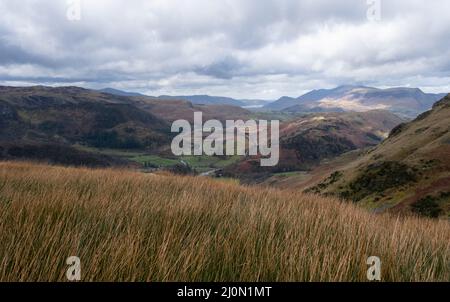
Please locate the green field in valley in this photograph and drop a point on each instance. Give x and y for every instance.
(201, 163)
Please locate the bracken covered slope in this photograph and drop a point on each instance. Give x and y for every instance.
(307, 140)
(408, 172)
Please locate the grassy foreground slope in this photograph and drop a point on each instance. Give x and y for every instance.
(127, 226)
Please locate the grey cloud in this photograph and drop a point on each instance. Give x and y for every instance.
(251, 49)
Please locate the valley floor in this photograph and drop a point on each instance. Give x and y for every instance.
(129, 226)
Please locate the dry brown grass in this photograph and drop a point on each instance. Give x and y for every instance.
(127, 226)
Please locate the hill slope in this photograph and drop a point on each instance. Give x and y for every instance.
(309, 139)
(409, 171)
(58, 118)
(72, 114)
(127, 226)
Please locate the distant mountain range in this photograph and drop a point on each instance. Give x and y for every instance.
(407, 102)
(194, 99)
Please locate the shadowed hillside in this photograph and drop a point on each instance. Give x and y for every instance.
(77, 126)
(35, 119)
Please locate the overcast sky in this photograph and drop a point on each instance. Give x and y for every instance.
(260, 49)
